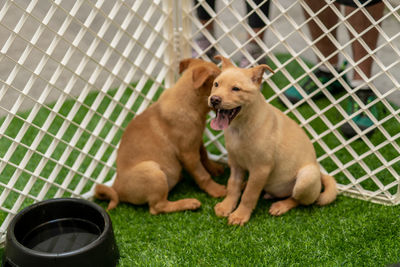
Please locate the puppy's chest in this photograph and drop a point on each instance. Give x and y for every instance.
(241, 146)
(249, 148)
(234, 142)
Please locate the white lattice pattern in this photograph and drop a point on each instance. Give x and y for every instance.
(365, 166)
(73, 73)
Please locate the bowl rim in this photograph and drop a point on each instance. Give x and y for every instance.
(104, 215)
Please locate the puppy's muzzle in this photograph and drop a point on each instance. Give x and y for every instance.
(215, 101)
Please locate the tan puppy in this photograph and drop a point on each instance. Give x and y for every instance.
(269, 145)
(164, 138)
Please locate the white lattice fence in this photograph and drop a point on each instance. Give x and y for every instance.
(74, 73)
(366, 167)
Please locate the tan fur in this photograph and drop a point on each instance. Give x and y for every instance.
(165, 138)
(269, 145)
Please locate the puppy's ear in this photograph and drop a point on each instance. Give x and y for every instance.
(258, 71)
(184, 64)
(200, 75)
(226, 63)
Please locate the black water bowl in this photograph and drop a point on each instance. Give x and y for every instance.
(61, 232)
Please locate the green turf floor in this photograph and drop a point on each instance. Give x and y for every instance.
(349, 232)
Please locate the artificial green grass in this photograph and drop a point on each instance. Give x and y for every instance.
(348, 232)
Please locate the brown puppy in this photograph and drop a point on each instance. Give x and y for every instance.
(164, 138)
(269, 145)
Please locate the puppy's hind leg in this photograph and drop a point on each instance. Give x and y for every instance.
(280, 207)
(306, 190)
(147, 183)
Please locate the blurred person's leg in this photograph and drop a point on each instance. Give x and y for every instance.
(204, 16)
(325, 45)
(257, 24)
(205, 19)
(360, 22)
(329, 19)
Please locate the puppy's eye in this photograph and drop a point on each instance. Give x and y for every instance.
(235, 89)
(216, 84)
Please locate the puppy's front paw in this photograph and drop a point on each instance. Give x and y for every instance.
(239, 217)
(223, 209)
(216, 190)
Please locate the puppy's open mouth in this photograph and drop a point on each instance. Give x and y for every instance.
(223, 118)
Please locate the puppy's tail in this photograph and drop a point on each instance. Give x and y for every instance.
(105, 192)
(330, 190)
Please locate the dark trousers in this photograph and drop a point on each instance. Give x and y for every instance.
(353, 4)
(254, 20)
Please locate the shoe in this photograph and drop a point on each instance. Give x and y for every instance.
(256, 52)
(204, 45)
(361, 120)
(310, 86)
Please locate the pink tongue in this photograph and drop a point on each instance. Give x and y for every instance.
(220, 122)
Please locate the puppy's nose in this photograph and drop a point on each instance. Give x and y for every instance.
(215, 100)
